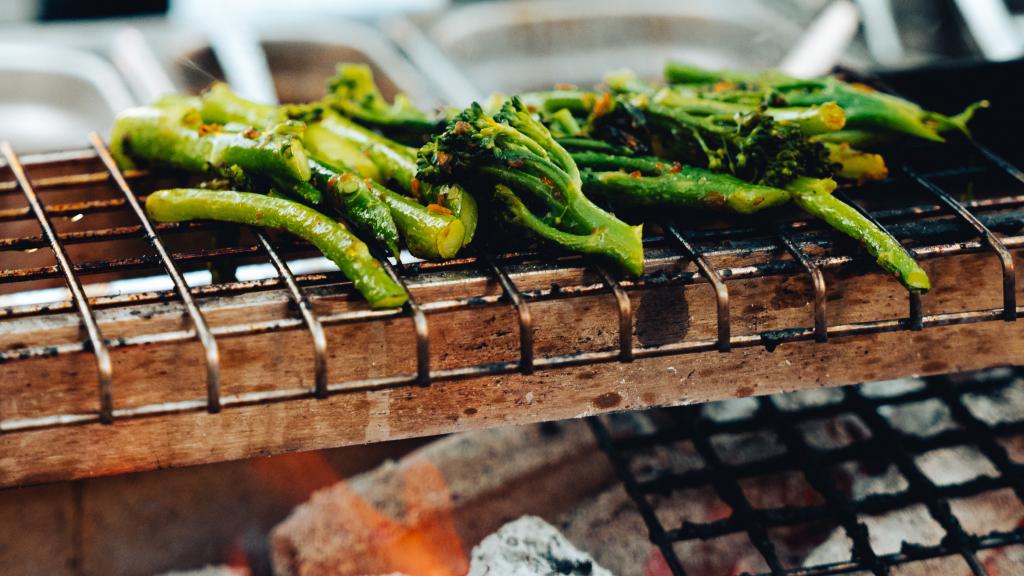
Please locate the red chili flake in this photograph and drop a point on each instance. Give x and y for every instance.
(205, 129)
(724, 85)
(603, 105)
(443, 157)
(333, 180)
(438, 209)
(462, 127)
(515, 163)
(547, 181)
(634, 174)
(676, 167)
(251, 133)
(414, 187)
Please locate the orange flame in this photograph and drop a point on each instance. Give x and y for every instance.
(425, 543)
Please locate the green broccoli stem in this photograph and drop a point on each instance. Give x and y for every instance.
(518, 156)
(856, 164)
(817, 119)
(347, 194)
(688, 188)
(606, 162)
(865, 108)
(354, 93)
(579, 144)
(343, 146)
(430, 232)
(865, 139)
(639, 181)
(221, 105)
(394, 163)
(603, 241)
(175, 137)
(815, 197)
(336, 243)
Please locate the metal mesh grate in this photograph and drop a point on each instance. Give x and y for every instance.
(980, 414)
(942, 201)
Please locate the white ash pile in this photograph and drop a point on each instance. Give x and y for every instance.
(459, 490)
(211, 571)
(428, 507)
(530, 546)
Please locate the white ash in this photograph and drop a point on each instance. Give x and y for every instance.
(889, 481)
(745, 447)
(630, 423)
(891, 388)
(979, 514)
(923, 419)
(811, 398)
(887, 533)
(955, 465)
(834, 433)
(530, 546)
(613, 530)
(211, 571)
(999, 406)
(727, 410)
(675, 458)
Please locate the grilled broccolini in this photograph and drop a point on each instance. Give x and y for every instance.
(350, 254)
(866, 109)
(517, 156)
(343, 145)
(645, 182)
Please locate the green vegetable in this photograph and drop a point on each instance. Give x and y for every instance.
(815, 197)
(643, 182)
(353, 92)
(866, 109)
(769, 146)
(650, 183)
(529, 171)
(344, 145)
(856, 164)
(333, 239)
(396, 164)
(429, 232)
(817, 119)
(349, 195)
(176, 137)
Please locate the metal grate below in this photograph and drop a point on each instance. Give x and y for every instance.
(902, 428)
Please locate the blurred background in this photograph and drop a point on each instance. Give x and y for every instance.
(68, 66)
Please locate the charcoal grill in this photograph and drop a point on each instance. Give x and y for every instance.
(232, 369)
(884, 444)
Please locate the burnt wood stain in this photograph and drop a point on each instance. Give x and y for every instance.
(607, 400)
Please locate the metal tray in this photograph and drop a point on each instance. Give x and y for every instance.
(300, 59)
(50, 95)
(512, 46)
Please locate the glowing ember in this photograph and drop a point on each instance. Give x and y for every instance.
(424, 542)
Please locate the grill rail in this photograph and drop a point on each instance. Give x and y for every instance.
(723, 257)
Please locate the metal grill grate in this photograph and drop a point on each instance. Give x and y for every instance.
(885, 443)
(915, 204)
